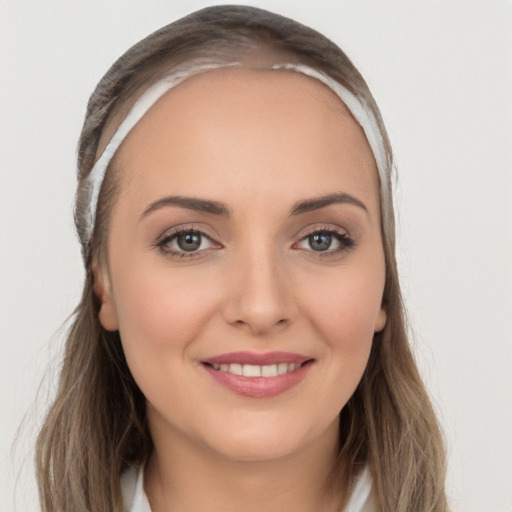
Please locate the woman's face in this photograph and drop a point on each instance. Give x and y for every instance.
(245, 240)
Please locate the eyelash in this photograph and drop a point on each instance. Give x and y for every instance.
(343, 238)
(163, 242)
(346, 243)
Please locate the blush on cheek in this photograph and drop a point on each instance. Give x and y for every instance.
(348, 311)
(158, 313)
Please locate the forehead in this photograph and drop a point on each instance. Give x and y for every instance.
(222, 91)
(277, 120)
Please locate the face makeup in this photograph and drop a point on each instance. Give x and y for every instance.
(258, 375)
(245, 263)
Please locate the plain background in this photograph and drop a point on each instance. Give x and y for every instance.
(441, 71)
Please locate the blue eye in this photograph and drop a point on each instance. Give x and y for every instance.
(326, 241)
(320, 241)
(185, 242)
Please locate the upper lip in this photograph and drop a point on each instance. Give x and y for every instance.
(257, 359)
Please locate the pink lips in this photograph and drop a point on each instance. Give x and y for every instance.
(258, 387)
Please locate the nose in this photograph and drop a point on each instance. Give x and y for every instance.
(260, 296)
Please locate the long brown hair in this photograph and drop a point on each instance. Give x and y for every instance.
(96, 427)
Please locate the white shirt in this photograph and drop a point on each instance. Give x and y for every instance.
(135, 499)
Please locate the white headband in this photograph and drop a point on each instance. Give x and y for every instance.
(153, 93)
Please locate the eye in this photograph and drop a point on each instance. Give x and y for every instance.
(190, 241)
(185, 242)
(320, 241)
(327, 241)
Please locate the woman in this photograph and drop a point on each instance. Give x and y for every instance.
(240, 343)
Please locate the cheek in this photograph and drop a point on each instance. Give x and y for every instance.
(347, 308)
(345, 311)
(161, 312)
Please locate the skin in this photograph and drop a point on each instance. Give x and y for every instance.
(259, 142)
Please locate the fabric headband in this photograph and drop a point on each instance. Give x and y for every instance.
(153, 93)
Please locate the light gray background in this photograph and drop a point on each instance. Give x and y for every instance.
(441, 71)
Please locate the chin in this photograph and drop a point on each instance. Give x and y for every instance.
(263, 440)
(259, 449)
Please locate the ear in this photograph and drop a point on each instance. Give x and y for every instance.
(381, 320)
(102, 289)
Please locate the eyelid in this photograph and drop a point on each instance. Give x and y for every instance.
(341, 235)
(170, 235)
(321, 228)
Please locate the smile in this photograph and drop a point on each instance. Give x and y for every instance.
(252, 370)
(258, 375)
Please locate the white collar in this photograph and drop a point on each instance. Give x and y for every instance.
(132, 488)
(135, 499)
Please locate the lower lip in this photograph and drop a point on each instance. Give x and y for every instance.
(259, 387)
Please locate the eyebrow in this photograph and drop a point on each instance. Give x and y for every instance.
(190, 203)
(216, 208)
(324, 201)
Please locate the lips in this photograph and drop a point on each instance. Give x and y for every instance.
(257, 359)
(258, 375)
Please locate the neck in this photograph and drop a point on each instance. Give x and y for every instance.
(181, 477)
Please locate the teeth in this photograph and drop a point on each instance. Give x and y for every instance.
(269, 370)
(237, 369)
(252, 370)
(282, 368)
